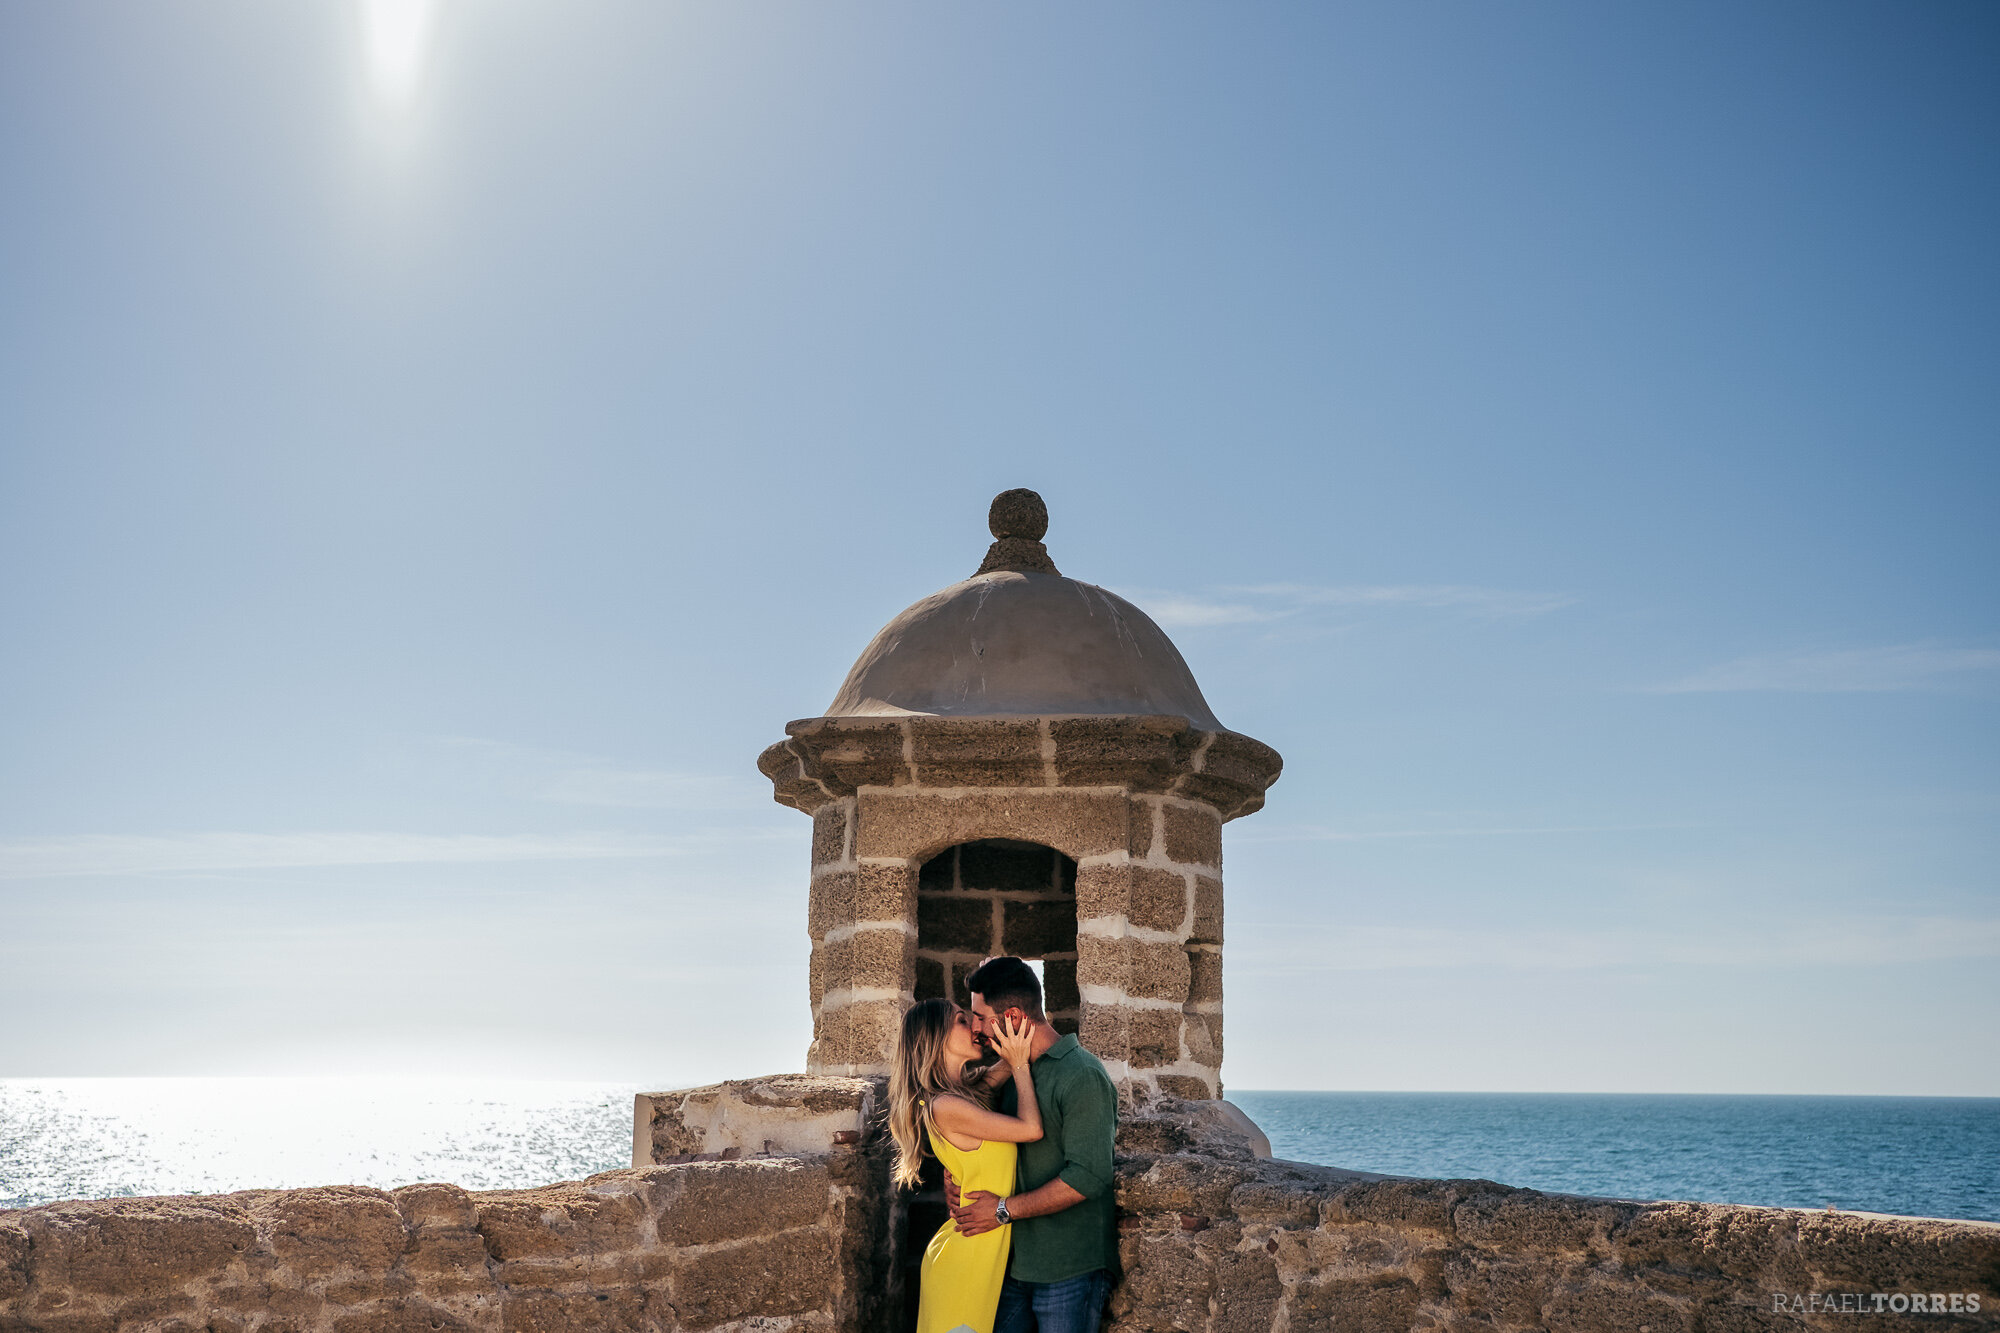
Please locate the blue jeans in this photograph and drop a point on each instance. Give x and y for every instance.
(1073, 1305)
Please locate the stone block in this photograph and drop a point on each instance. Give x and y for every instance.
(1248, 1292)
(1185, 1086)
(1527, 1221)
(977, 752)
(1853, 1252)
(1035, 929)
(885, 893)
(871, 958)
(956, 923)
(1059, 983)
(13, 1260)
(559, 1221)
(432, 1205)
(1197, 1041)
(1158, 899)
(708, 1202)
(1168, 1283)
(932, 981)
(588, 1311)
(786, 1274)
(1275, 1203)
(1183, 1183)
(1009, 867)
(1143, 753)
(829, 843)
(135, 1248)
(1207, 926)
(1424, 1205)
(1077, 824)
(830, 902)
(1204, 976)
(1153, 1038)
(1156, 972)
(1103, 891)
(1336, 1304)
(1101, 1029)
(790, 784)
(1194, 835)
(851, 752)
(408, 1315)
(1698, 1237)
(1504, 1290)
(1235, 772)
(319, 1231)
(866, 1031)
(1597, 1306)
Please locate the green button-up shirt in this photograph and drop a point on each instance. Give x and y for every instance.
(1079, 1122)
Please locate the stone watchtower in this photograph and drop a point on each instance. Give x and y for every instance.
(1023, 764)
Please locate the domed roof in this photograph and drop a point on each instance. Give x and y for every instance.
(1017, 638)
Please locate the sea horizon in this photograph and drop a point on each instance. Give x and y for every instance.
(109, 1136)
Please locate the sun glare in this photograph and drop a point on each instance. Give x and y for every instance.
(397, 33)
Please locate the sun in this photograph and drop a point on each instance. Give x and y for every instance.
(397, 37)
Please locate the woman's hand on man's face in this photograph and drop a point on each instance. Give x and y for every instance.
(1015, 1036)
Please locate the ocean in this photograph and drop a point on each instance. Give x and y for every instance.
(102, 1138)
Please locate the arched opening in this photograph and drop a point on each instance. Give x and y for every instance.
(998, 896)
(974, 901)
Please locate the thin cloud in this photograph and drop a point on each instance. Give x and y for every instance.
(566, 777)
(1305, 948)
(122, 854)
(1903, 667)
(1257, 603)
(1321, 833)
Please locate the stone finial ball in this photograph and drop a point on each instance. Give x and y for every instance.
(1018, 513)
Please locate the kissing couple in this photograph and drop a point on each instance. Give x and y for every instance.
(1026, 1146)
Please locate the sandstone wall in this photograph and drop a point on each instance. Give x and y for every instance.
(1216, 1241)
(774, 1244)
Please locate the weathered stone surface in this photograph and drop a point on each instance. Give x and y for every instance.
(918, 826)
(977, 752)
(830, 902)
(1158, 899)
(829, 840)
(1194, 835)
(1207, 924)
(135, 1247)
(559, 1221)
(707, 1202)
(402, 1316)
(1153, 1038)
(1609, 1306)
(785, 1274)
(885, 893)
(13, 1260)
(1336, 1304)
(1205, 979)
(588, 1311)
(1144, 970)
(317, 1232)
(1141, 752)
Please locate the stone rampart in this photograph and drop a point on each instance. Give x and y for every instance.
(772, 1244)
(1215, 1240)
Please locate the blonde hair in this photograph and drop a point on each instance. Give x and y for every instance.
(921, 1073)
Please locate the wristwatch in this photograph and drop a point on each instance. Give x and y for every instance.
(1001, 1215)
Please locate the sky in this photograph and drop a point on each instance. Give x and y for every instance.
(442, 442)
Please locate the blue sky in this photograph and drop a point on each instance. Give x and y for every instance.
(442, 443)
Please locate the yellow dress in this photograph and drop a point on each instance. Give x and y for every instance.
(962, 1274)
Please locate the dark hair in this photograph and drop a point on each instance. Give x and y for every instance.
(1008, 983)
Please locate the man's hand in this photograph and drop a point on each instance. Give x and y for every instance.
(975, 1215)
(950, 1191)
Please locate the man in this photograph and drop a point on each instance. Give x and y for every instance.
(1059, 1265)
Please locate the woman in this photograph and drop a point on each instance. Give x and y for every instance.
(933, 1096)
